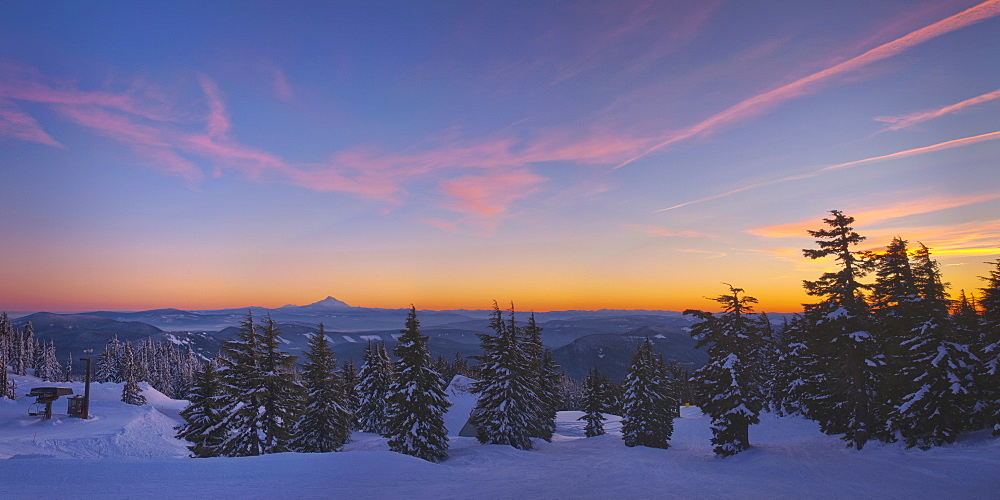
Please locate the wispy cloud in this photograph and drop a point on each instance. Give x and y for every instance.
(280, 85)
(218, 118)
(876, 215)
(762, 102)
(904, 121)
(819, 171)
(478, 179)
(967, 239)
(484, 198)
(980, 237)
(18, 125)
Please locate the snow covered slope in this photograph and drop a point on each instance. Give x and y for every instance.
(117, 430)
(790, 458)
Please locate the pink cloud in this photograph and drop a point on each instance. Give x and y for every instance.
(148, 141)
(760, 103)
(875, 215)
(280, 86)
(23, 83)
(19, 125)
(488, 195)
(904, 121)
(479, 179)
(218, 119)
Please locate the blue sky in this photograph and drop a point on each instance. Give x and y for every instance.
(561, 154)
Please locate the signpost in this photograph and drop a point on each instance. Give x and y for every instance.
(85, 412)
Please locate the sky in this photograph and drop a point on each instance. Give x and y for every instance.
(563, 155)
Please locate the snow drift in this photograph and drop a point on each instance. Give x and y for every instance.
(129, 451)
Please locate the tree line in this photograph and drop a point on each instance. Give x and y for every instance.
(167, 367)
(892, 358)
(889, 359)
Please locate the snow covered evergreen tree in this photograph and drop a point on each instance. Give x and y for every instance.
(937, 371)
(67, 369)
(648, 406)
(966, 320)
(507, 390)
(109, 362)
(349, 380)
(838, 334)
(280, 394)
(242, 380)
(799, 374)
(131, 392)
(570, 394)
(896, 315)
(48, 367)
(263, 397)
(203, 418)
(25, 349)
(7, 389)
(546, 373)
(417, 401)
(595, 399)
(374, 383)
(729, 385)
(989, 340)
(325, 424)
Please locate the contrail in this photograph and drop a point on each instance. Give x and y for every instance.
(899, 154)
(900, 122)
(760, 102)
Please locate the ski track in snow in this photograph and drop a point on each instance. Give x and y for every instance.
(129, 451)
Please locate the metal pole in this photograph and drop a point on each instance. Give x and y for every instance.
(85, 411)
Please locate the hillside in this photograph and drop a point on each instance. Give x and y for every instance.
(129, 452)
(579, 339)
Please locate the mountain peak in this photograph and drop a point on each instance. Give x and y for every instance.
(329, 302)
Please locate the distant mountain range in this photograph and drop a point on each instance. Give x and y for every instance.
(579, 339)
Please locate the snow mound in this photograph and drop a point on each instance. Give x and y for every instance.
(115, 429)
(463, 400)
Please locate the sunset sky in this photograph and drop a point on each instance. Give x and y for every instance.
(564, 155)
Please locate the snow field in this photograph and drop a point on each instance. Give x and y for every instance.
(128, 451)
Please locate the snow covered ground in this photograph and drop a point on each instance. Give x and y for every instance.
(127, 451)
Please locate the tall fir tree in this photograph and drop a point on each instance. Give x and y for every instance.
(966, 319)
(109, 362)
(6, 343)
(349, 380)
(570, 394)
(417, 402)
(280, 394)
(325, 424)
(729, 385)
(131, 392)
(595, 399)
(67, 369)
(799, 375)
(242, 380)
(838, 334)
(373, 386)
(546, 386)
(204, 416)
(26, 349)
(648, 407)
(896, 315)
(989, 347)
(937, 372)
(507, 395)
(48, 368)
